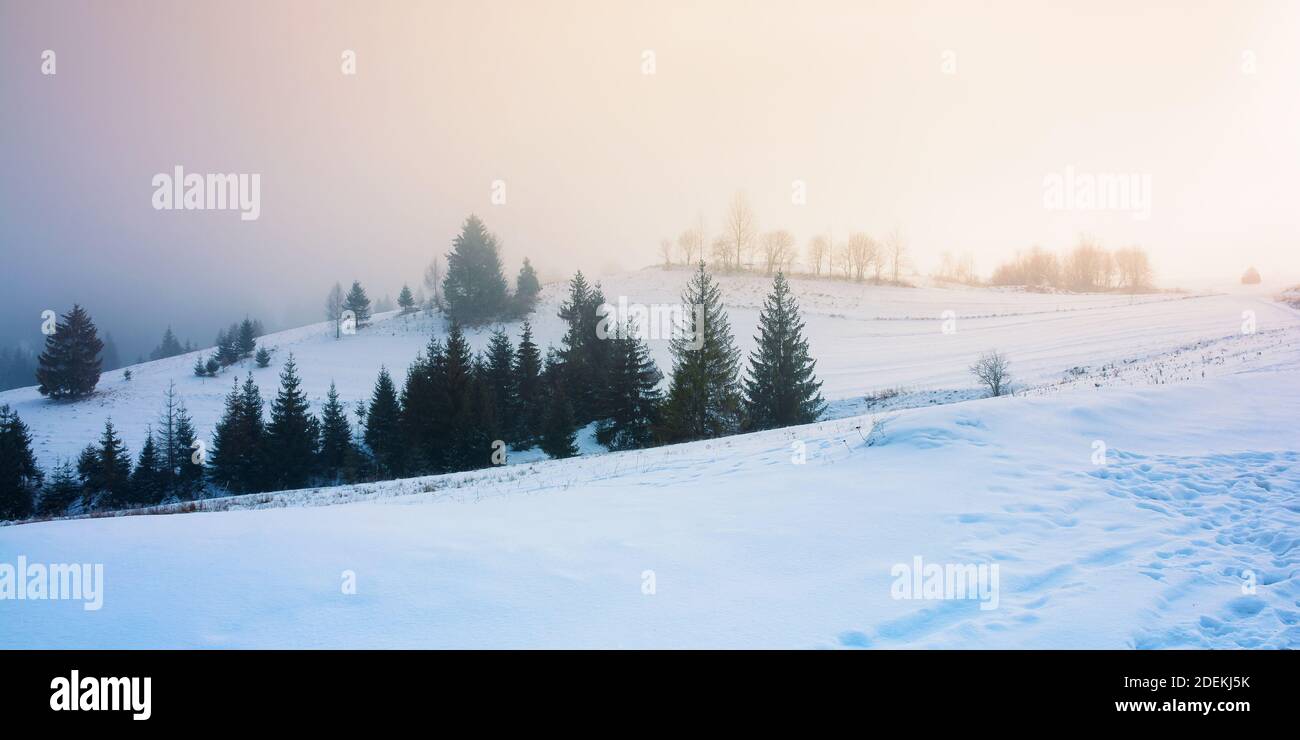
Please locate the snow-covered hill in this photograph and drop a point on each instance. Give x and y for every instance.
(731, 543)
(866, 339)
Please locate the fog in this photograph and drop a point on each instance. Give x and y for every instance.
(608, 126)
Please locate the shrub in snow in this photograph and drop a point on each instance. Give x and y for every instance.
(993, 372)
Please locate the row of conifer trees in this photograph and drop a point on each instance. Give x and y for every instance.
(456, 410)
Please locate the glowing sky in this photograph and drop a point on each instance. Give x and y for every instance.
(939, 119)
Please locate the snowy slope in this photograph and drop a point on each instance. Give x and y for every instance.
(748, 549)
(865, 338)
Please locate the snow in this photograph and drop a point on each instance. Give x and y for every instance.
(866, 339)
(1198, 498)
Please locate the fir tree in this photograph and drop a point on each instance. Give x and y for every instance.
(201, 367)
(168, 452)
(405, 300)
(263, 357)
(236, 458)
(70, 365)
(358, 304)
(168, 347)
(87, 464)
(527, 286)
(336, 450)
(500, 381)
(631, 397)
(528, 389)
(20, 479)
(147, 479)
(461, 406)
(583, 354)
(474, 288)
(423, 432)
(212, 366)
(292, 435)
(110, 473)
(63, 490)
(383, 431)
(227, 352)
(188, 481)
(781, 388)
(246, 341)
(703, 401)
(559, 437)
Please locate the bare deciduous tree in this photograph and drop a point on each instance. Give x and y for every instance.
(741, 229)
(993, 371)
(896, 252)
(1134, 268)
(721, 249)
(842, 259)
(861, 252)
(777, 249)
(334, 308)
(819, 248)
(433, 281)
(690, 245)
(666, 251)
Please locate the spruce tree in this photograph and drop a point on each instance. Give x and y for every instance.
(474, 288)
(168, 347)
(335, 437)
(405, 300)
(528, 389)
(423, 430)
(147, 479)
(467, 430)
(559, 437)
(631, 397)
(500, 381)
(87, 464)
(246, 342)
(383, 430)
(263, 357)
(237, 452)
(62, 491)
(168, 452)
(357, 302)
(110, 474)
(583, 354)
(20, 479)
(227, 352)
(292, 435)
(703, 400)
(227, 442)
(69, 367)
(527, 286)
(188, 481)
(781, 388)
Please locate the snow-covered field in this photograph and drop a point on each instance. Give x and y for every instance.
(1187, 536)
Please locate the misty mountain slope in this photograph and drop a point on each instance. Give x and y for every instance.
(864, 338)
(730, 543)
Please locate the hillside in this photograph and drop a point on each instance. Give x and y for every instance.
(743, 548)
(866, 339)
